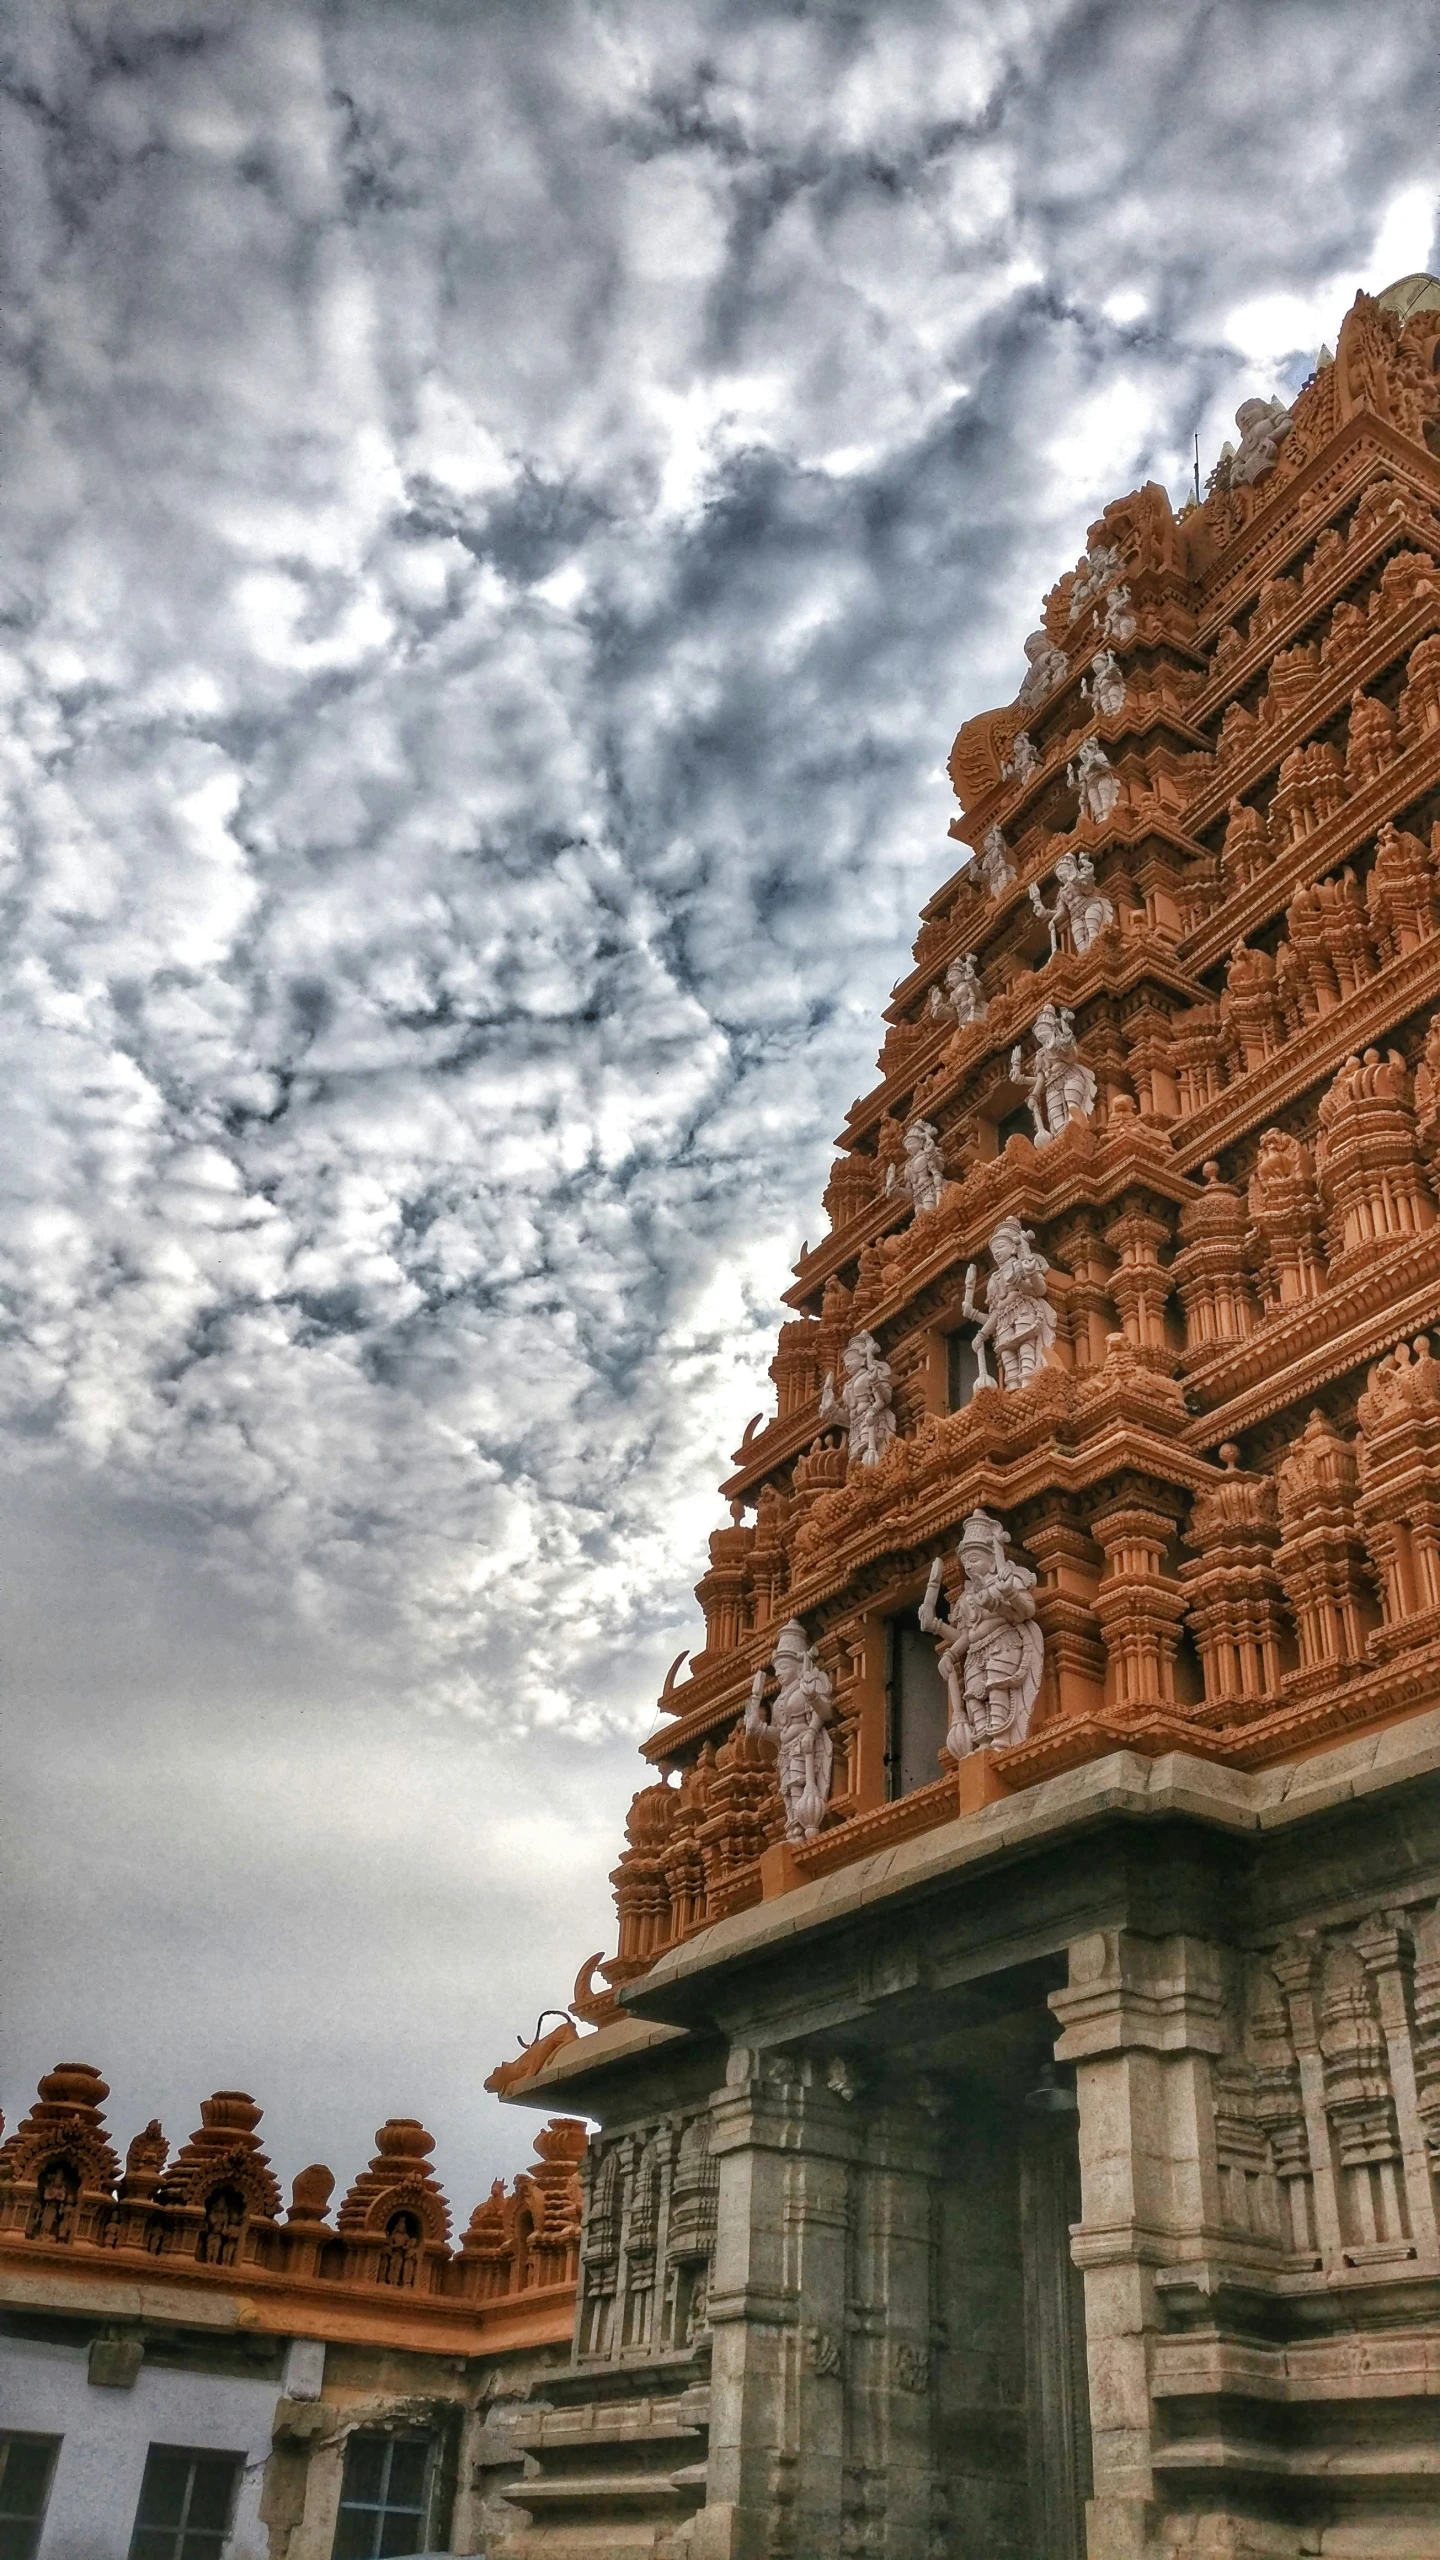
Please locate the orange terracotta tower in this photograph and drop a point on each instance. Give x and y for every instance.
(1102, 1489)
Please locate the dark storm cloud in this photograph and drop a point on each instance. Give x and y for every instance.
(504, 511)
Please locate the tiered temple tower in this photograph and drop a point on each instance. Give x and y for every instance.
(1019, 2075)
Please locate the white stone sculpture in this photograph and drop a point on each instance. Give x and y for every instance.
(864, 1399)
(1059, 1087)
(1096, 571)
(963, 999)
(1263, 425)
(995, 866)
(1018, 1320)
(1117, 622)
(1105, 685)
(1048, 667)
(1079, 903)
(799, 1717)
(1023, 759)
(923, 1172)
(990, 1647)
(1094, 777)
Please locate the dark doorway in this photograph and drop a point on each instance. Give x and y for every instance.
(919, 1709)
(963, 1369)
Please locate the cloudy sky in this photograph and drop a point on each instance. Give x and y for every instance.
(504, 510)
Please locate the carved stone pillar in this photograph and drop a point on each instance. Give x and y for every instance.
(1139, 1605)
(1209, 1270)
(1142, 2019)
(785, 2144)
(1069, 1563)
(1139, 1286)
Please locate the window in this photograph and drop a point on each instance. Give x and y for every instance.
(385, 2497)
(27, 2467)
(186, 2503)
(962, 1369)
(919, 1708)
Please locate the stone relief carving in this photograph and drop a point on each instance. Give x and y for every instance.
(922, 1173)
(1059, 1087)
(1079, 903)
(993, 861)
(799, 1717)
(990, 1648)
(963, 999)
(1117, 622)
(865, 1400)
(1023, 759)
(1263, 425)
(1095, 779)
(1099, 568)
(1104, 687)
(1019, 1319)
(1048, 667)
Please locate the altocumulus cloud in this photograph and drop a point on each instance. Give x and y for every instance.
(504, 510)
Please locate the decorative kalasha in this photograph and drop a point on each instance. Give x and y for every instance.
(990, 1648)
(799, 1716)
(216, 2207)
(921, 1172)
(1081, 907)
(1059, 1086)
(1224, 1468)
(963, 998)
(1019, 1319)
(994, 864)
(864, 1398)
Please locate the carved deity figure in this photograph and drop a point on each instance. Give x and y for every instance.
(1099, 568)
(923, 1172)
(864, 1399)
(1048, 666)
(963, 999)
(1019, 1319)
(799, 1716)
(1117, 622)
(1023, 759)
(1263, 425)
(995, 866)
(1059, 1087)
(1096, 780)
(1104, 687)
(1079, 903)
(990, 1647)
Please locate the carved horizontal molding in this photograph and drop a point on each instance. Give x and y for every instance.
(1282, 526)
(1313, 1352)
(1320, 596)
(1358, 817)
(1367, 1017)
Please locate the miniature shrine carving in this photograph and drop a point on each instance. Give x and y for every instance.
(989, 1645)
(798, 1715)
(1018, 1320)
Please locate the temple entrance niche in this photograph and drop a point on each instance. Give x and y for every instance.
(1012, 2415)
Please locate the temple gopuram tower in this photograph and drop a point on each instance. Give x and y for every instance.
(1018, 2080)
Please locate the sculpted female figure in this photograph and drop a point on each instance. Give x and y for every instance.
(799, 1717)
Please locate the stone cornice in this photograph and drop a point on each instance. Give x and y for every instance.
(1354, 563)
(1254, 552)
